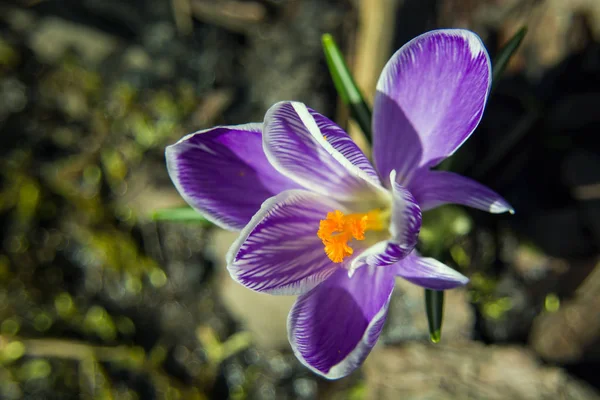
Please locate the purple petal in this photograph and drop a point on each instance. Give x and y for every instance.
(405, 226)
(279, 252)
(313, 151)
(224, 174)
(430, 98)
(429, 273)
(333, 328)
(434, 188)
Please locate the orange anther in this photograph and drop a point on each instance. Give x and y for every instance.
(338, 229)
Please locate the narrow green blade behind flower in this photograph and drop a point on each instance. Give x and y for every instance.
(346, 86)
(434, 306)
(179, 214)
(505, 54)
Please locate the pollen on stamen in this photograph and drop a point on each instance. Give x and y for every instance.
(337, 229)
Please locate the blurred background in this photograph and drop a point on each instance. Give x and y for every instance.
(100, 300)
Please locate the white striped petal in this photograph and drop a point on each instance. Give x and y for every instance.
(279, 251)
(313, 151)
(333, 327)
(224, 174)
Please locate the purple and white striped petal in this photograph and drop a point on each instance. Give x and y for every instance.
(428, 273)
(333, 327)
(430, 97)
(435, 188)
(405, 225)
(224, 174)
(313, 151)
(279, 252)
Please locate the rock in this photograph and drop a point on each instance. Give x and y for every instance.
(509, 316)
(54, 36)
(572, 333)
(237, 16)
(468, 370)
(144, 197)
(13, 97)
(19, 20)
(555, 35)
(136, 57)
(522, 290)
(264, 315)
(407, 319)
(570, 241)
(581, 173)
(283, 73)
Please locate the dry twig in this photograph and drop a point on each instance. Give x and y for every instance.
(237, 16)
(373, 48)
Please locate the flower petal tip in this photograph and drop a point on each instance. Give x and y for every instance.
(200, 163)
(501, 206)
(475, 43)
(333, 328)
(429, 273)
(351, 270)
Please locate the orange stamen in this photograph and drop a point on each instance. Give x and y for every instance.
(338, 229)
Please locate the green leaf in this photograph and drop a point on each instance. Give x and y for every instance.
(434, 306)
(346, 86)
(504, 55)
(179, 214)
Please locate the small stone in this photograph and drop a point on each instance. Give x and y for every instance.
(570, 334)
(54, 36)
(264, 315)
(137, 58)
(467, 370)
(407, 319)
(305, 388)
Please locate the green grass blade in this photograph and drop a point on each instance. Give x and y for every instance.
(179, 214)
(346, 86)
(504, 55)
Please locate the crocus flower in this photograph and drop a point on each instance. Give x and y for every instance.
(319, 221)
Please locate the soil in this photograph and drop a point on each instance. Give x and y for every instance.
(97, 299)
